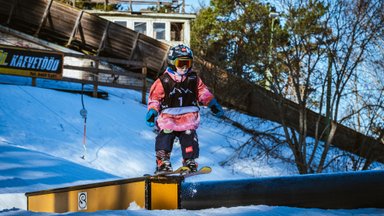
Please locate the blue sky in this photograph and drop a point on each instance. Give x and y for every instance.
(195, 4)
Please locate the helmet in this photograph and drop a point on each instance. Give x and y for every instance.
(180, 56)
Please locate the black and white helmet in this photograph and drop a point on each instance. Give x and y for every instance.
(179, 56)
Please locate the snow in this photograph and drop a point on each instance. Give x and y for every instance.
(41, 147)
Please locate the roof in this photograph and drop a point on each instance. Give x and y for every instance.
(186, 16)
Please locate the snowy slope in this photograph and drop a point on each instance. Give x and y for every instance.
(41, 145)
(49, 121)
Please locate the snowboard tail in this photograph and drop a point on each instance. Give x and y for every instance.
(202, 170)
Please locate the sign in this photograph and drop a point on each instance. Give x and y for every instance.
(31, 62)
(82, 201)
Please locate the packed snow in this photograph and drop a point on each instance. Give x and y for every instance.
(41, 147)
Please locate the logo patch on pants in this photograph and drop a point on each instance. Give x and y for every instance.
(189, 149)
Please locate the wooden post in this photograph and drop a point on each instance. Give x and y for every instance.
(11, 12)
(34, 81)
(134, 46)
(77, 27)
(144, 89)
(44, 19)
(103, 39)
(165, 58)
(95, 79)
(183, 7)
(105, 5)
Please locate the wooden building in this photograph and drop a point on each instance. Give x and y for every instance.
(171, 28)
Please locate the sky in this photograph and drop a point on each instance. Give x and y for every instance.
(194, 5)
(41, 147)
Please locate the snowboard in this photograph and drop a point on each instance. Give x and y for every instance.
(183, 171)
(202, 170)
(179, 171)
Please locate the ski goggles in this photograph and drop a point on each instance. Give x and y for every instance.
(183, 62)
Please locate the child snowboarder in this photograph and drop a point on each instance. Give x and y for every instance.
(176, 95)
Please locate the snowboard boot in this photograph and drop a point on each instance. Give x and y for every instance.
(163, 163)
(163, 166)
(191, 164)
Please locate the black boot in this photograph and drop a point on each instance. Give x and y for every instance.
(191, 164)
(163, 163)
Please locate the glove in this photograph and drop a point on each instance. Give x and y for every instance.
(150, 117)
(216, 108)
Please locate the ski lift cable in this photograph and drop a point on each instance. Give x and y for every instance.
(83, 113)
(75, 128)
(54, 112)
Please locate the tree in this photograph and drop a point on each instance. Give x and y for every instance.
(318, 52)
(232, 34)
(301, 58)
(328, 42)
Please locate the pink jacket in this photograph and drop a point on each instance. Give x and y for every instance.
(177, 122)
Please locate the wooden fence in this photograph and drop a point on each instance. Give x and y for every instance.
(112, 77)
(82, 31)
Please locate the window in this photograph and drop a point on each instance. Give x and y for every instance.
(122, 23)
(141, 27)
(177, 32)
(159, 31)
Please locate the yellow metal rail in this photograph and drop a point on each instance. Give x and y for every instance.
(146, 192)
